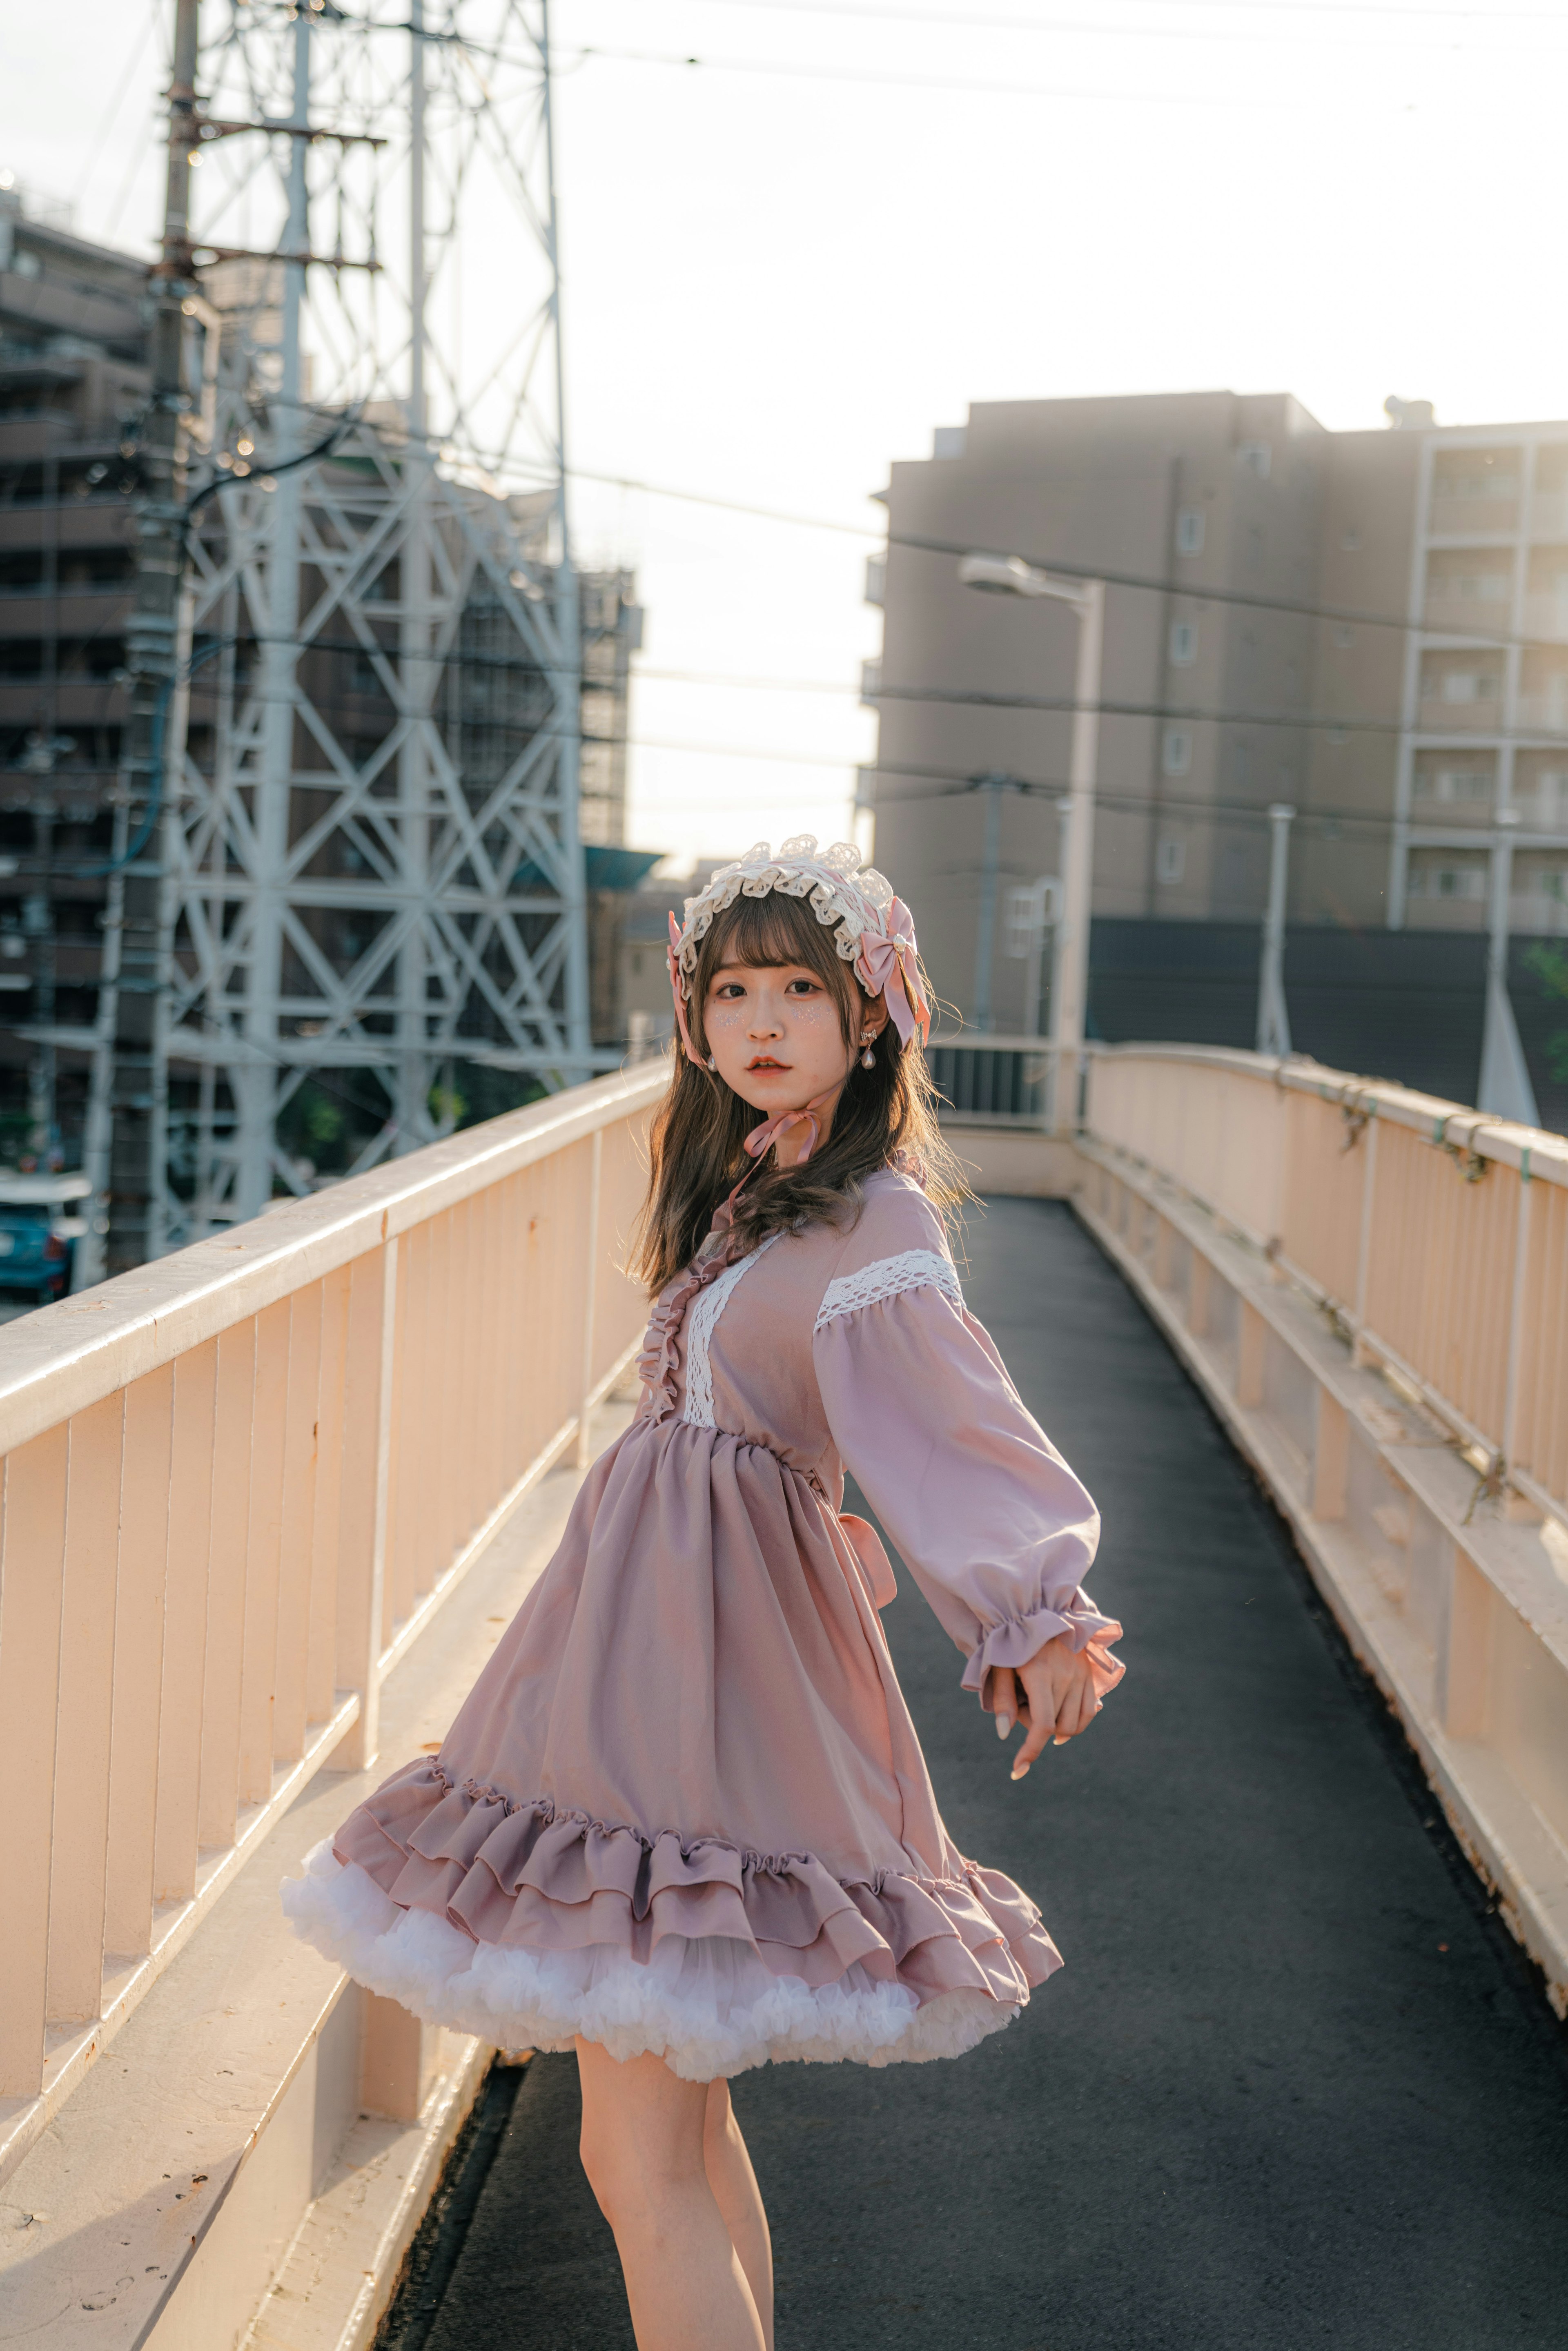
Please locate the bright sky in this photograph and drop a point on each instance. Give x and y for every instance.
(786, 264)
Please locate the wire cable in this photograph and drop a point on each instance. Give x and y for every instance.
(1480, 19)
(948, 85)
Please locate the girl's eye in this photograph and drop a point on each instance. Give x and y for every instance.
(801, 988)
(730, 987)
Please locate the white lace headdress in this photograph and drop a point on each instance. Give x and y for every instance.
(874, 929)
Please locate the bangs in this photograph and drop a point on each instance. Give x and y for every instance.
(769, 932)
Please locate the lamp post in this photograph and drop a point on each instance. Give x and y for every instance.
(1008, 575)
(1273, 1018)
(1504, 1089)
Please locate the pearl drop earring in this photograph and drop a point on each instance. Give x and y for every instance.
(868, 1059)
(711, 1063)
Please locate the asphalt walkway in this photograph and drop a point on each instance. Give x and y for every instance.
(1295, 2086)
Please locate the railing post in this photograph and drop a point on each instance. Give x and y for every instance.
(1364, 1249)
(367, 1460)
(1516, 1317)
(590, 1289)
(1253, 1338)
(1330, 1458)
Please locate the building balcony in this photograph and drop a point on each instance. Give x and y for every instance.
(1546, 618)
(1448, 613)
(1436, 715)
(269, 1501)
(1544, 714)
(1472, 518)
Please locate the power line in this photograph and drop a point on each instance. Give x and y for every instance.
(954, 784)
(948, 84)
(1478, 17)
(1347, 616)
(1358, 8)
(877, 536)
(962, 697)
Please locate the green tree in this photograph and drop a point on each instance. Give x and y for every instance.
(1550, 966)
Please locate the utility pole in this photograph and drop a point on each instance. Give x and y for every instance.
(568, 632)
(137, 1112)
(1009, 575)
(1504, 1088)
(255, 1079)
(993, 786)
(1274, 1016)
(419, 675)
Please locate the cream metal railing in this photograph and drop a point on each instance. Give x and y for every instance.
(1438, 1236)
(1372, 1288)
(236, 1485)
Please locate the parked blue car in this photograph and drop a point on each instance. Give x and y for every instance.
(40, 1225)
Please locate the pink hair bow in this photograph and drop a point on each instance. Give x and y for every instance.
(671, 958)
(886, 966)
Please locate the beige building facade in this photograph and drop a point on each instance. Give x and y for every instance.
(1331, 620)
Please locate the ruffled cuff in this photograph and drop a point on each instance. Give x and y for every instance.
(1015, 1639)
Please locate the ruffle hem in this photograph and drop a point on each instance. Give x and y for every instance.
(527, 1927)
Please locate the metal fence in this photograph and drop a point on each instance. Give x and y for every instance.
(237, 1483)
(1438, 1238)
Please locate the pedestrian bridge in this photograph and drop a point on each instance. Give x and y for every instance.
(268, 1502)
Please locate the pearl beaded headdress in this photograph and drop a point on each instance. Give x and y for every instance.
(875, 930)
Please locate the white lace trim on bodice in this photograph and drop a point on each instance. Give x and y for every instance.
(889, 1277)
(710, 1304)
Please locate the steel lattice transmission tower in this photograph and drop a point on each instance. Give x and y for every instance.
(359, 773)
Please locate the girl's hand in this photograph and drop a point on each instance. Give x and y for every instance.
(1058, 1698)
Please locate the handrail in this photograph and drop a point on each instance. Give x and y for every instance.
(236, 1484)
(1436, 1235)
(80, 1349)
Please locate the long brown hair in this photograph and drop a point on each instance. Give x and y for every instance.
(696, 1146)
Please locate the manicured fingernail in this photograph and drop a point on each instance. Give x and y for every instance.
(1019, 1771)
(1004, 1724)
(1059, 1742)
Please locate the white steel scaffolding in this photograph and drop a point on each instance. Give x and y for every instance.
(360, 807)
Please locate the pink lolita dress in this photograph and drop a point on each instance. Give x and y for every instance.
(683, 1809)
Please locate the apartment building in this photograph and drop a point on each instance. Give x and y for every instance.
(73, 383)
(1332, 621)
(73, 377)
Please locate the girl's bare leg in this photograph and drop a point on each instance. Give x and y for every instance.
(642, 2149)
(734, 2184)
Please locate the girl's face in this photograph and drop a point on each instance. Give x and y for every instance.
(776, 1036)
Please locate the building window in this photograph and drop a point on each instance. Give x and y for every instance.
(876, 578)
(1258, 457)
(1170, 858)
(1176, 751)
(1476, 485)
(1451, 783)
(1189, 532)
(1472, 587)
(1184, 643)
(871, 682)
(1470, 686)
(1554, 882)
(1448, 882)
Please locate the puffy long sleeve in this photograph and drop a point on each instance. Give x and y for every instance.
(992, 1523)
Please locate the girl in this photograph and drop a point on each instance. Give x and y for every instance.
(682, 1824)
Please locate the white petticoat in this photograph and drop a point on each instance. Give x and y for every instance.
(708, 2007)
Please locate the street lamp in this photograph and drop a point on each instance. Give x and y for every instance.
(1273, 1018)
(1009, 575)
(1504, 1089)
